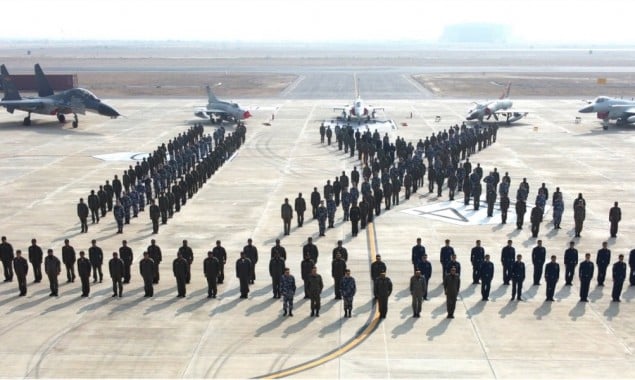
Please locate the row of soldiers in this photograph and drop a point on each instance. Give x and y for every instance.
(174, 178)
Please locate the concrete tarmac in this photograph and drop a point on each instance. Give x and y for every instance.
(47, 167)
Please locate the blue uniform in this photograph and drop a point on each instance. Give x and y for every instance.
(321, 216)
(126, 203)
(417, 255)
(518, 276)
(331, 207)
(508, 254)
(486, 273)
(619, 276)
(141, 190)
(552, 275)
(586, 275)
(119, 214)
(570, 262)
(134, 200)
(477, 256)
(287, 290)
(348, 290)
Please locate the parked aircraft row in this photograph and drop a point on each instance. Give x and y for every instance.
(79, 101)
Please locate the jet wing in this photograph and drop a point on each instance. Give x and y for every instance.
(341, 108)
(23, 104)
(621, 110)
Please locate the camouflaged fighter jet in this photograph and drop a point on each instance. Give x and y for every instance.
(74, 101)
(218, 111)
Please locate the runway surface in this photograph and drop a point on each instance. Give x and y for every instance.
(47, 167)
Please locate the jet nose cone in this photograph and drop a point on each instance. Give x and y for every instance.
(587, 109)
(246, 115)
(107, 110)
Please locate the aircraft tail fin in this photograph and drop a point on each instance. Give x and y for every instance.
(10, 90)
(211, 98)
(43, 86)
(505, 93)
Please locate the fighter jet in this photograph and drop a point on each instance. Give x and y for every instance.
(497, 108)
(606, 108)
(74, 101)
(218, 110)
(358, 110)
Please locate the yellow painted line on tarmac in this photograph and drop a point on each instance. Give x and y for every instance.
(363, 333)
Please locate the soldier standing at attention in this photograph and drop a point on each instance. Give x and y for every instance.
(155, 213)
(21, 268)
(300, 208)
(286, 212)
(155, 254)
(446, 255)
(477, 256)
(276, 270)
(126, 255)
(251, 252)
(315, 201)
(68, 258)
(187, 253)
(82, 213)
(119, 213)
(315, 286)
(305, 269)
(417, 290)
(552, 275)
(115, 266)
(518, 276)
(355, 217)
(538, 257)
(220, 254)
(451, 286)
(96, 257)
(615, 215)
(383, 289)
(93, 205)
(52, 268)
(243, 272)
(146, 268)
(36, 256)
(179, 268)
(210, 269)
(603, 259)
(348, 290)
(83, 270)
(486, 274)
(418, 251)
(508, 254)
(322, 213)
(338, 269)
(619, 275)
(570, 262)
(579, 214)
(586, 275)
(287, 290)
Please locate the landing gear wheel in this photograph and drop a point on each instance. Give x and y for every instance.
(75, 123)
(27, 121)
(61, 117)
(605, 127)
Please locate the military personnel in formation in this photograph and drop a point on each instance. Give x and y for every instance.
(619, 276)
(377, 267)
(68, 258)
(117, 187)
(364, 212)
(329, 135)
(82, 213)
(477, 257)
(631, 265)
(155, 254)
(96, 257)
(286, 213)
(446, 255)
(280, 250)
(126, 255)
(417, 290)
(382, 290)
(119, 214)
(210, 270)
(180, 269)
(251, 252)
(276, 270)
(300, 208)
(451, 287)
(418, 250)
(146, 269)
(36, 257)
(305, 269)
(187, 253)
(322, 214)
(287, 290)
(311, 249)
(615, 215)
(486, 274)
(52, 268)
(338, 268)
(109, 194)
(521, 208)
(116, 269)
(314, 287)
(586, 275)
(83, 271)
(21, 268)
(126, 203)
(518, 277)
(579, 214)
(220, 254)
(244, 268)
(603, 259)
(355, 217)
(155, 214)
(504, 206)
(453, 263)
(93, 205)
(348, 289)
(339, 249)
(163, 208)
(425, 267)
(538, 257)
(535, 219)
(508, 254)
(570, 262)
(331, 208)
(552, 275)
(315, 202)
(558, 208)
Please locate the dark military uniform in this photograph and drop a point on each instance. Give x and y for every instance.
(52, 268)
(355, 217)
(126, 255)
(116, 268)
(538, 257)
(6, 255)
(96, 257)
(615, 215)
(382, 290)
(155, 254)
(211, 266)
(36, 256)
(338, 268)
(586, 275)
(619, 276)
(83, 270)
(348, 289)
(68, 258)
(570, 262)
(251, 252)
(508, 255)
(486, 274)
(451, 286)
(315, 286)
(300, 208)
(276, 270)
(146, 269)
(477, 257)
(220, 254)
(244, 269)
(417, 290)
(287, 290)
(603, 259)
(552, 275)
(180, 269)
(305, 269)
(187, 253)
(518, 277)
(21, 268)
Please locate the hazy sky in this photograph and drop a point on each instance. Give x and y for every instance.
(531, 21)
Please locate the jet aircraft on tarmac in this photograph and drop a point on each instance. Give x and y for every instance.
(73, 101)
(606, 108)
(218, 110)
(497, 108)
